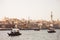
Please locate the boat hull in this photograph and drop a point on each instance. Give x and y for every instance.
(51, 31)
(36, 29)
(14, 34)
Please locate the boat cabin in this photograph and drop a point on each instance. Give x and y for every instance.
(15, 30)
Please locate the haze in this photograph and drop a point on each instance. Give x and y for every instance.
(34, 9)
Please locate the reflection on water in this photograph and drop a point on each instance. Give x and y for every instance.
(31, 35)
(14, 38)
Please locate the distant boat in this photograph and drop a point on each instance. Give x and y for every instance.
(36, 29)
(39, 28)
(51, 29)
(14, 32)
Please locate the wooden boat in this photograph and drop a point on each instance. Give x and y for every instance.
(14, 32)
(51, 29)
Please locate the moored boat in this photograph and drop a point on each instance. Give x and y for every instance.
(36, 29)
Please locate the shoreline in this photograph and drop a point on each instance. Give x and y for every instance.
(21, 29)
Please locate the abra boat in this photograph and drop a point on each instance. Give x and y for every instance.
(51, 29)
(14, 32)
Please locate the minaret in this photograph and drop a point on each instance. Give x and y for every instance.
(51, 16)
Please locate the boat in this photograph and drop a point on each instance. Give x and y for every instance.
(14, 32)
(36, 29)
(51, 29)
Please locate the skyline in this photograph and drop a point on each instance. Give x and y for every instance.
(35, 9)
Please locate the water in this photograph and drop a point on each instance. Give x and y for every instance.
(31, 35)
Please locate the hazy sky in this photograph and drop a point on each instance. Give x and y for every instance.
(35, 9)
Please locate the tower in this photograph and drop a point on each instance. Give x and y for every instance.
(51, 16)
